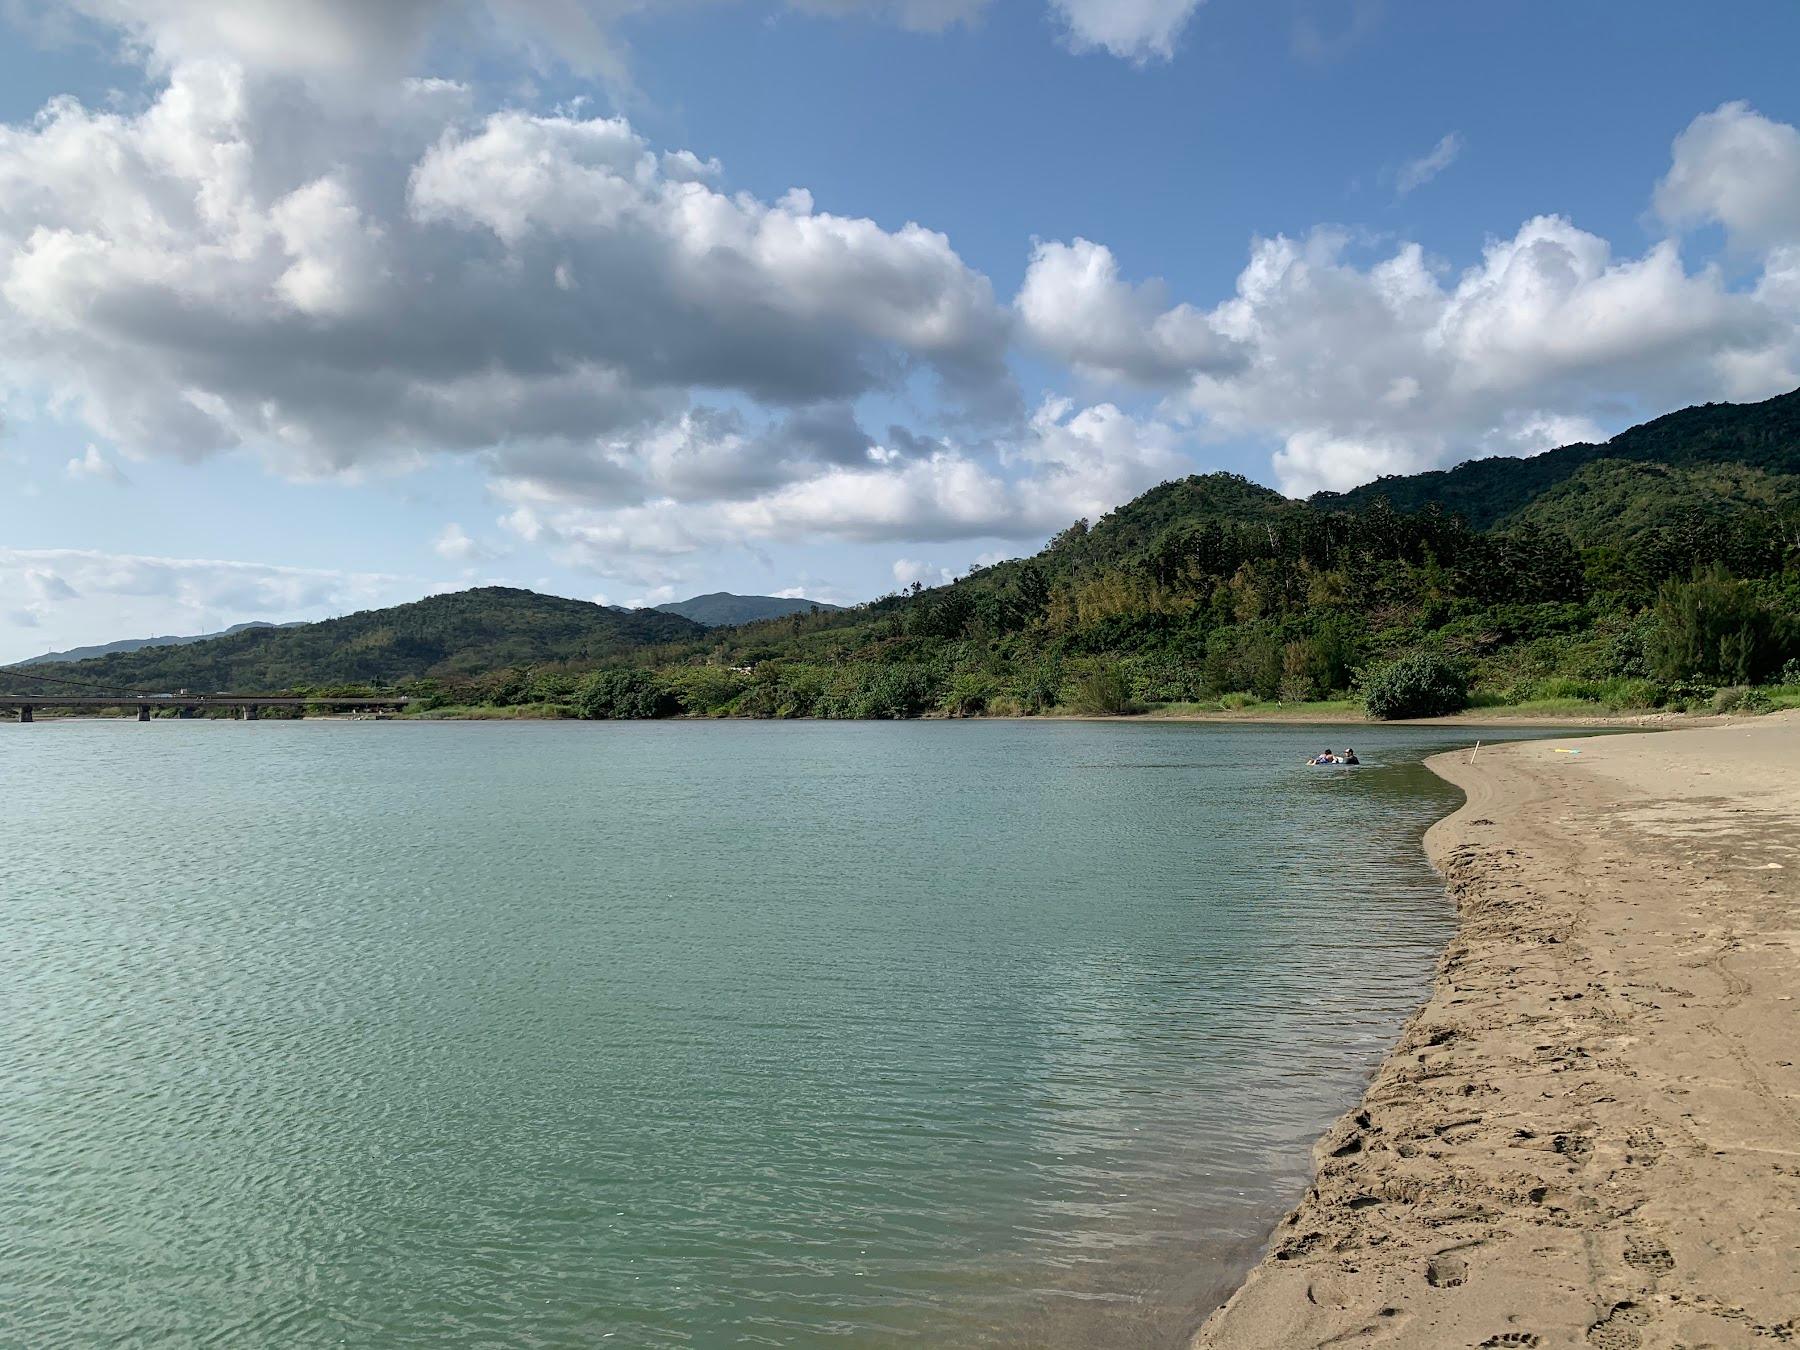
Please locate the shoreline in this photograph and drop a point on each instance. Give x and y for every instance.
(1590, 1132)
(1497, 718)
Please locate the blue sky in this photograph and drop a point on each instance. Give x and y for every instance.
(304, 310)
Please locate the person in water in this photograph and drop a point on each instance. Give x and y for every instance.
(1324, 757)
(1349, 757)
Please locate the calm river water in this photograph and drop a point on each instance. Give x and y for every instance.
(557, 1035)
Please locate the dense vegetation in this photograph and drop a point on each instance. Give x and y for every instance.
(1485, 492)
(449, 637)
(1667, 574)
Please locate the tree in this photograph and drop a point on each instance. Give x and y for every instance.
(1714, 628)
(1419, 684)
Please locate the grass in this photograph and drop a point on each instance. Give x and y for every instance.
(1783, 696)
(1249, 706)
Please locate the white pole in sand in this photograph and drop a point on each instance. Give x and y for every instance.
(1476, 751)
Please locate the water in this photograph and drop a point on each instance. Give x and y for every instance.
(366, 1034)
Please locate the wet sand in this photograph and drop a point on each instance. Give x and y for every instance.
(1590, 1135)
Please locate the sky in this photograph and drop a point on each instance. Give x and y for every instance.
(308, 306)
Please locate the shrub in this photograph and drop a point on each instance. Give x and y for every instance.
(623, 694)
(706, 690)
(866, 690)
(1420, 684)
(1741, 699)
(1238, 702)
(1101, 691)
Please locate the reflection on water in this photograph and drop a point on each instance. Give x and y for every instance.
(944, 1034)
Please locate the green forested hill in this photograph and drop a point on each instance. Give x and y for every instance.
(1484, 492)
(1611, 501)
(461, 635)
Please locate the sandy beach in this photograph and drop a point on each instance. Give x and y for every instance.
(1590, 1135)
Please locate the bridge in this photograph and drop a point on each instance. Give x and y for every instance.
(190, 705)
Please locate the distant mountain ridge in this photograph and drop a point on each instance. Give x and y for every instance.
(1485, 492)
(138, 644)
(722, 609)
(462, 634)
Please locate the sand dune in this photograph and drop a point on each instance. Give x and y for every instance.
(1591, 1133)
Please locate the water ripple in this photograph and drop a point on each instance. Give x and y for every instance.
(326, 1034)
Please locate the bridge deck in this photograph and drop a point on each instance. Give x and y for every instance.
(190, 701)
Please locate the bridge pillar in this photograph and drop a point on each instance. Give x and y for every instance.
(186, 712)
(143, 712)
(24, 712)
(249, 712)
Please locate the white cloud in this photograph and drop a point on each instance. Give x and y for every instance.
(1355, 369)
(1416, 173)
(92, 466)
(1075, 306)
(248, 264)
(909, 572)
(1065, 463)
(454, 545)
(1135, 30)
(80, 596)
(1736, 168)
(1387, 369)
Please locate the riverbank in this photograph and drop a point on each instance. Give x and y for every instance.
(1590, 1135)
(1339, 716)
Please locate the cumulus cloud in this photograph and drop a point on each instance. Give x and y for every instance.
(1415, 173)
(1136, 30)
(1386, 368)
(1065, 462)
(78, 596)
(702, 454)
(241, 265)
(1736, 168)
(1075, 306)
(1356, 368)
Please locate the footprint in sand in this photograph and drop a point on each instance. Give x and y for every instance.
(1447, 1269)
(1508, 1338)
(1576, 1148)
(1648, 1255)
(1618, 1329)
(1645, 1148)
